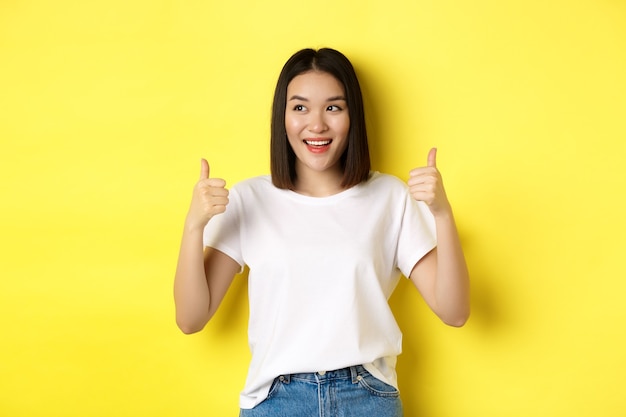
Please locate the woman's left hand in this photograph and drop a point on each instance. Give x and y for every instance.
(425, 184)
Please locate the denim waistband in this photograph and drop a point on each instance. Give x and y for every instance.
(352, 372)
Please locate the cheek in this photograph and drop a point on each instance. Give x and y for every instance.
(342, 126)
(293, 132)
(292, 125)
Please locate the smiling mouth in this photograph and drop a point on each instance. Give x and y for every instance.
(318, 143)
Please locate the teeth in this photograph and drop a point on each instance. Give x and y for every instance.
(317, 142)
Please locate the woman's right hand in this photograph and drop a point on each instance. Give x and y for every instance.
(210, 197)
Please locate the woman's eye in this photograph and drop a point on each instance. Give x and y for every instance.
(333, 108)
(299, 107)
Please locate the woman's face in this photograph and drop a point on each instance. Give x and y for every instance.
(317, 122)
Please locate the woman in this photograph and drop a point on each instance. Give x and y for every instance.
(326, 241)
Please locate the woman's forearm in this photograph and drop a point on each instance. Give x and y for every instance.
(191, 290)
(452, 292)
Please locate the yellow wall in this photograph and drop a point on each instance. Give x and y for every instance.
(107, 106)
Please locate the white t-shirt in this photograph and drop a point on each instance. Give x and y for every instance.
(321, 272)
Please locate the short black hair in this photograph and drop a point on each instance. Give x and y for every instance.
(355, 160)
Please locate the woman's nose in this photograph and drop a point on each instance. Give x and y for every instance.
(317, 124)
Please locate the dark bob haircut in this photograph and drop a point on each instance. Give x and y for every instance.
(355, 160)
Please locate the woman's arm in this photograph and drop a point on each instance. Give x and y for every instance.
(441, 276)
(202, 276)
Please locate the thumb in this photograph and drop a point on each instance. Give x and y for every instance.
(432, 158)
(204, 169)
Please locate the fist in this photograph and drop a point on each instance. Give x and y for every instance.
(425, 184)
(210, 197)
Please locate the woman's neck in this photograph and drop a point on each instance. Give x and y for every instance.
(318, 184)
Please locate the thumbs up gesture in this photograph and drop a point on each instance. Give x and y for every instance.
(210, 197)
(425, 184)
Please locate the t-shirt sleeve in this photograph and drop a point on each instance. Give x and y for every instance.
(417, 234)
(223, 231)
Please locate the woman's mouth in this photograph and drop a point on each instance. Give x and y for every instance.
(317, 145)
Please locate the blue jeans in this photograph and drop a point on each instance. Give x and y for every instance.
(348, 392)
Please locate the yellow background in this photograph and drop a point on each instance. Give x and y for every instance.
(106, 108)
